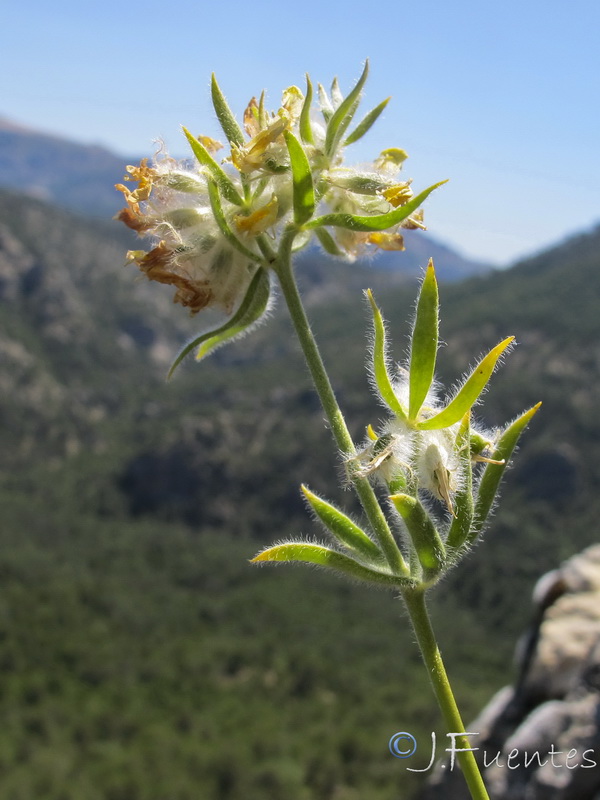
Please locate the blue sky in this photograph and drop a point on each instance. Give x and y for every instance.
(502, 98)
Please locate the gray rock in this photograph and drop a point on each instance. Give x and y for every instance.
(540, 739)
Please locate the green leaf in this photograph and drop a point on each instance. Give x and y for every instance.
(367, 123)
(343, 114)
(424, 342)
(228, 122)
(250, 310)
(220, 219)
(490, 480)
(342, 528)
(218, 173)
(425, 538)
(380, 370)
(305, 126)
(377, 222)
(328, 243)
(324, 557)
(463, 500)
(303, 189)
(469, 392)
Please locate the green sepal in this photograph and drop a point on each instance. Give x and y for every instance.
(478, 444)
(250, 310)
(307, 553)
(490, 480)
(377, 222)
(263, 118)
(463, 499)
(228, 122)
(424, 343)
(398, 485)
(343, 114)
(301, 241)
(183, 183)
(367, 123)
(425, 538)
(217, 172)
(324, 103)
(336, 93)
(182, 218)
(305, 126)
(342, 528)
(220, 219)
(369, 184)
(328, 243)
(260, 187)
(303, 189)
(469, 392)
(380, 370)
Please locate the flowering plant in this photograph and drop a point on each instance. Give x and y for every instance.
(428, 478)
(284, 181)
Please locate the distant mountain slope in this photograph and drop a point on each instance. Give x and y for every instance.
(76, 176)
(82, 177)
(396, 267)
(85, 343)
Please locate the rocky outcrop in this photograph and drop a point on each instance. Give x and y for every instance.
(540, 739)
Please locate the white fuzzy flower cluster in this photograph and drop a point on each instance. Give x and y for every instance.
(213, 223)
(171, 204)
(432, 462)
(427, 447)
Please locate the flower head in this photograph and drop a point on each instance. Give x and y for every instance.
(217, 224)
(190, 252)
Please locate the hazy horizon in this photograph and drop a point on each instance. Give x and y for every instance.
(500, 101)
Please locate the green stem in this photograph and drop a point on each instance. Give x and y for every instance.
(414, 598)
(341, 434)
(415, 603)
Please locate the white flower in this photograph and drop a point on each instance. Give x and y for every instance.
(211, 256)
(171, 204)
(438, 466)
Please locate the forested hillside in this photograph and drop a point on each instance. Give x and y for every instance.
(141, 657)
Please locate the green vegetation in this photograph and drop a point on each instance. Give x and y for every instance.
(141, 657)
(146, 661)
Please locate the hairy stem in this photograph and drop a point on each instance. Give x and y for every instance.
(415, 604)
(413, 598)
(341, 434)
